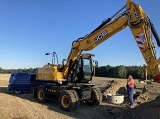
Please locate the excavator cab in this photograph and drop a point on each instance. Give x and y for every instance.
(83, 69)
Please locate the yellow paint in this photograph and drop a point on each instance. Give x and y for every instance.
(50, 73)
(65, 101)
(135, 18)
(40, 94)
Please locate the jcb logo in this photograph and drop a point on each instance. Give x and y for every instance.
(100, 36)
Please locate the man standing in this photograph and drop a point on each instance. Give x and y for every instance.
(130, 90)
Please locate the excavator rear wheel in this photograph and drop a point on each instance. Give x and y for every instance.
(41, 94)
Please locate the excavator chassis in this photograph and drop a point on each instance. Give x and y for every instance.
(68, 95)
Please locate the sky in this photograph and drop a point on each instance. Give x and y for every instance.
(30, 28)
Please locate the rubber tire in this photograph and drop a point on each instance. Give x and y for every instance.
(96, 97)
(42, 89)
(34, 92)
(17, 91)
(77, 98)
(71, 100)
(100, 95)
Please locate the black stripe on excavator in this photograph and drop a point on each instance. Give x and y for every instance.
(69, 69)
(155, 34)
(100, 26)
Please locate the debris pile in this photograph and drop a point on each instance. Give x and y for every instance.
(148, 104)
(116, 87)
(151, 92)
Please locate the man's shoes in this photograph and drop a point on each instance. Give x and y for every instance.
(132, 106)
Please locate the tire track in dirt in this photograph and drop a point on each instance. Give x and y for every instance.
(18, 108)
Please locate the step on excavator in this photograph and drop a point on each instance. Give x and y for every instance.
(70, 82)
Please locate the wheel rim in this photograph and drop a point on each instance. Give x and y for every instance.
(40, 94)
(65, 101)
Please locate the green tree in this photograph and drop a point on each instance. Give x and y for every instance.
(121, 71)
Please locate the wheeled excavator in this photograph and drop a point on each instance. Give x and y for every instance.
(70, 82)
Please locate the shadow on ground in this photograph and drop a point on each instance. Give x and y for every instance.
(148, 110)
(104, 110)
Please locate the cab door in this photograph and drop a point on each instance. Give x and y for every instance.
(84, 70)
(87, 69)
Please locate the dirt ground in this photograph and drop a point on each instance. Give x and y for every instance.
(24, 106)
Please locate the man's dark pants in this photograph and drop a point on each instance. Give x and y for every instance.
(130, 92)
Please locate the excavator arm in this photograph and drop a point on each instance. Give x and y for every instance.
(141, 27)
(142, 30)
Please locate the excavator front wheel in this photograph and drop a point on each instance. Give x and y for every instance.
(67, 100)
(96, 98)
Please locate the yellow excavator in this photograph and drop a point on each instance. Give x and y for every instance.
(70, 82)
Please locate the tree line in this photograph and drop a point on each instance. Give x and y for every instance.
(10, 71)
(121, 71)
(101, 71)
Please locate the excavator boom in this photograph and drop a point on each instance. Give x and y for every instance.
(141, 27)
